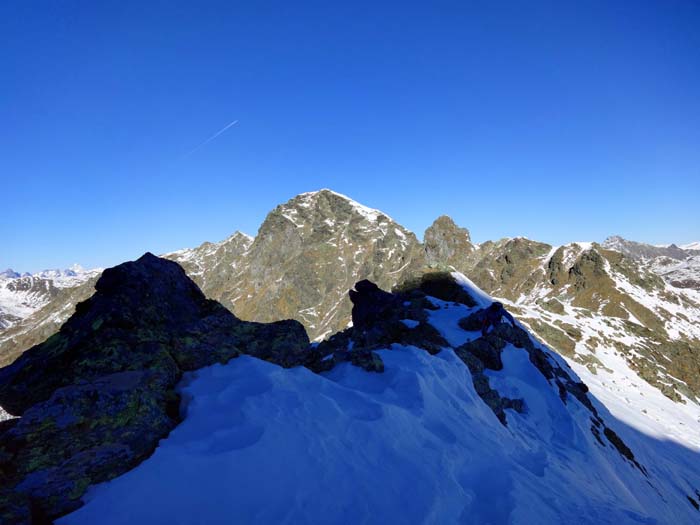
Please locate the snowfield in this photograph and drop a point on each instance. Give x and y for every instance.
(415, 444)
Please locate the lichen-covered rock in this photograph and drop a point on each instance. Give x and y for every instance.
(473, 322)
(84, 434)
(145, 314)
(371, 305)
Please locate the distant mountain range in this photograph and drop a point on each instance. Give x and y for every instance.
(584, 299)
(678, 265)
(21, 295)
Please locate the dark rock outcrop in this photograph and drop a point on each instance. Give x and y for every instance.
(96, 397)
(440, 285)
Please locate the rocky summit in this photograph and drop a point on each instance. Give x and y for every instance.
(306, 255)
(96, 397)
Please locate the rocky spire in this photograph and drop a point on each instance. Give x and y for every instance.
(445, 243)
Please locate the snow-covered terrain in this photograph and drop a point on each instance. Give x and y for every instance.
(23, 294)
(678, 265)
(415, 444)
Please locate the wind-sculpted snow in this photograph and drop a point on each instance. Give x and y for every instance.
(261, 444)
(414, 444)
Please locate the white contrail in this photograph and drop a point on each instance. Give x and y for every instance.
(222, 130)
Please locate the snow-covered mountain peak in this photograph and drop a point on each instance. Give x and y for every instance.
(678, 265)
(315, 200)
(67, 276)
(239, 235)
(76, 268)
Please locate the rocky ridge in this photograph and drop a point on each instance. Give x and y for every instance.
(592, 304)
(96, 397)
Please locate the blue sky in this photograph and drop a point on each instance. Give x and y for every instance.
(559, 121)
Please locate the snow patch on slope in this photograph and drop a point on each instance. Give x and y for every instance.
(307, 200)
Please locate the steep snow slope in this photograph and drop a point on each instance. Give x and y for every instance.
(415, 444)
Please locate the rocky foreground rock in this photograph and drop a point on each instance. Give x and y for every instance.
(96, 397)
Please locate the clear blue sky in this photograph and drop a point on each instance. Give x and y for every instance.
(556, 121)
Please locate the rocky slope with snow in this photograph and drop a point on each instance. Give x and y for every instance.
(44, 322)
(590, 303)
(215, 266)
